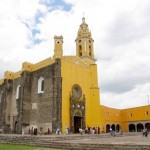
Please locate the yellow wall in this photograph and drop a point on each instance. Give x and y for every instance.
(110, 116)
(125, 116)
(137, 114)
(93, 103)
(74, 71)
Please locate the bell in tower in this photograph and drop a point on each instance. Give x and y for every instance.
(58, 44)
(84, 41)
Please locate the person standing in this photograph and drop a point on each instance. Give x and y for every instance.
(98, 130)
(146, 133)
(32, 131)
(48, 132)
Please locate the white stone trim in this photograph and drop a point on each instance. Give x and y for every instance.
(34, 105)
(40, 85)
(17, 92)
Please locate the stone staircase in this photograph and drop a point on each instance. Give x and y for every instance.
(70, 142)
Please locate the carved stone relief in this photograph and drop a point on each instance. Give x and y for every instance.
(77, 108)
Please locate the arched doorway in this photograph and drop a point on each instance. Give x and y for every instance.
(147, 126)
(15, 128)
(131, 128)
(113, 127)
(107, 128)
(140, 127)
(117, 128)
(77, 123)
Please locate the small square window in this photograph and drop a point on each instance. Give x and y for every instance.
(147, 113)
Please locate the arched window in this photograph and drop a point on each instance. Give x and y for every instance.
(139, 127)
(107, 128)
(41, 85)
(147, 125)
(80, 50)
(117, 127)
(90, 51)
(113, 127)
(18, 92)
(131, 128)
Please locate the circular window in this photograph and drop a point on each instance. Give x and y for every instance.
(76, 91)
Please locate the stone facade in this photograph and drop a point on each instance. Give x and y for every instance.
(21, 105)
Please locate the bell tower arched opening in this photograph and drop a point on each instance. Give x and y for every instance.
(84, 42)
(80, 50)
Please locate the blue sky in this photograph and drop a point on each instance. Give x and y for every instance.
(50, 5)
(56, 4)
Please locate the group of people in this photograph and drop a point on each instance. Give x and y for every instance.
(92, 130)
(145, 133)
(34, 131)
(88, 130)
(80, 131)
(58, 131)
(1, 130)
(113, 133)
(67, 131)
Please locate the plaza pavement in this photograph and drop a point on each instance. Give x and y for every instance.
(124, 139)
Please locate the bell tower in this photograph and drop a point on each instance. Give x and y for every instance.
(58, 46)
(84, 41)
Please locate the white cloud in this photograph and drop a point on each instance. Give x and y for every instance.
(133, 98)
(120, 30)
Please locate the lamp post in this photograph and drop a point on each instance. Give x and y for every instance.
(148, 98)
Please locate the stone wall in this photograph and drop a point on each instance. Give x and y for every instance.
(5, 105)
(31, 108)
(46, 106)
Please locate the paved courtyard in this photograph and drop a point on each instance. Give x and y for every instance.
(127, 139)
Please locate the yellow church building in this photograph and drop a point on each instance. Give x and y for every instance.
(62, 92)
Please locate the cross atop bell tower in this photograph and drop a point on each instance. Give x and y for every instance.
(84, 41)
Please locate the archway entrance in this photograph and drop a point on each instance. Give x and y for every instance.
(147, 125)
(107, 128)
(15, 128)
(117, 127)
(77, 123)
(113, 127)
(140, 127)
(131, 128)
